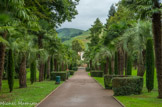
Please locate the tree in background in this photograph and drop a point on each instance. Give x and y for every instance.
(78, 45)
(112, 11)
(150, 65)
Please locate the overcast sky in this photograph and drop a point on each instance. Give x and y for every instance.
(88, 11)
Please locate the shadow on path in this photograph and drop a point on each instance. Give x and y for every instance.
(80, 91)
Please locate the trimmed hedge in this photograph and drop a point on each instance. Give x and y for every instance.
(127, 85)
(71, 72)
(75, 68)
(108, 80)
(63, 74)
(96, 73)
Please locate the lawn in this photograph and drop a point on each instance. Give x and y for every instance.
(26, 97)
(144, 100)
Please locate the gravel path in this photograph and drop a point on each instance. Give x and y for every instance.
(80, 91)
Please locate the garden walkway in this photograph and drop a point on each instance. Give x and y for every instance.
(80, 91)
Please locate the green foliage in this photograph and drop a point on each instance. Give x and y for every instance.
(62, 74)
(77, 45)
(127, 85)
(150, 65)
(129, 66)
(33, 70)
(96, 73)
(11, 70)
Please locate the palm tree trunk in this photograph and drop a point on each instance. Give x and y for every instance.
(91, 65)
(22, 73)
(62, 68)
(112, 65)
(126, 56)
(41, 71)
(120, 61)
(48, 67)
(55, 64)
(96, 67)
(156, 20)
(41, 64)
(141, 65)
(2, 58)
(106, 66)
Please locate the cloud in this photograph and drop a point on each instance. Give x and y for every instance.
(88, 11)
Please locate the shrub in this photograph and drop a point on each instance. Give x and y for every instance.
(127, 85)
(33, 69)
(129, 66)
(11, 70)
(149, 65)
(71, 72)
(62, 74)
(108, 80)
(96, 73)
(88, 69)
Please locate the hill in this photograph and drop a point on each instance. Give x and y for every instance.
(82, 37)
(68, 33)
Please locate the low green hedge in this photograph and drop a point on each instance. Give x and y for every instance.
(71, 72)
(96, 73)
(75, 68)
(63, 74)
(108, 80)
(127, 85)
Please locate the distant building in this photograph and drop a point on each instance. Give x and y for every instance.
(81, 55)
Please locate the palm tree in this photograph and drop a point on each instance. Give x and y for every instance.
(104, 54)
(134, 42)
(9, 9)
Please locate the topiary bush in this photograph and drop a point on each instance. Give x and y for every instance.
(88, 69)
(62, 74)
(96, 73)
(150, 65)
(108, 80)
(127, 85)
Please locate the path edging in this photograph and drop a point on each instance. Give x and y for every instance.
(48, 95)
(119, 101)
(112, 96)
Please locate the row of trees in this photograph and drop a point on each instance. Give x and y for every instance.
(126, 40)
(28, 38)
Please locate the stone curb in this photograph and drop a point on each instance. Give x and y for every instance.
(119, 102)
